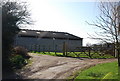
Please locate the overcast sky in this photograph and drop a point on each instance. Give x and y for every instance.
(65, 16)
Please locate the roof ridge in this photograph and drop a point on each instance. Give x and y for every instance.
(45, 31)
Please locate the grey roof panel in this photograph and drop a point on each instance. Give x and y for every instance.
(48, 34)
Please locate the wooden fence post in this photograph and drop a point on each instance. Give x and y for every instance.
(55, 49)
(63, 48)
(89, 52)
(66, 49)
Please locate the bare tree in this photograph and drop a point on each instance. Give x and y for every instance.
(107, 23)
(88, 44)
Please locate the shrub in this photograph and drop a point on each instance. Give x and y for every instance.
(21, 51)
(19, 57)
(17, 61)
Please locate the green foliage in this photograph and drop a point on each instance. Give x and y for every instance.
(19, 58)
(100, 71)
(17, 61)
(13, 15)
(34, 52)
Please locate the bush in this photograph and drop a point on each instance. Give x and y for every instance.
(19, 57)
(21, 51)
(17, 61)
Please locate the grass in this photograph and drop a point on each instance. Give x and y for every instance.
(49, 53)
(100, 71)
(75, 54)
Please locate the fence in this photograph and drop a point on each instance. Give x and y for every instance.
(87, 51)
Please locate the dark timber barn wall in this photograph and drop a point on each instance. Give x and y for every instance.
(35, 40)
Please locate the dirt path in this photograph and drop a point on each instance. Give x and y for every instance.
(52, 67)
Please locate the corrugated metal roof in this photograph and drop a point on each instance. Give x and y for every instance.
(47, 34)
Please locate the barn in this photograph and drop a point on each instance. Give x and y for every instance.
(38, 40)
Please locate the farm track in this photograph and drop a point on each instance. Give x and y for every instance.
(53, 67)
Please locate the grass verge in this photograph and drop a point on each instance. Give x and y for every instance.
(100, 71)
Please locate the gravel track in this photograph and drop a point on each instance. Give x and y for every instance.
(53, 67)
